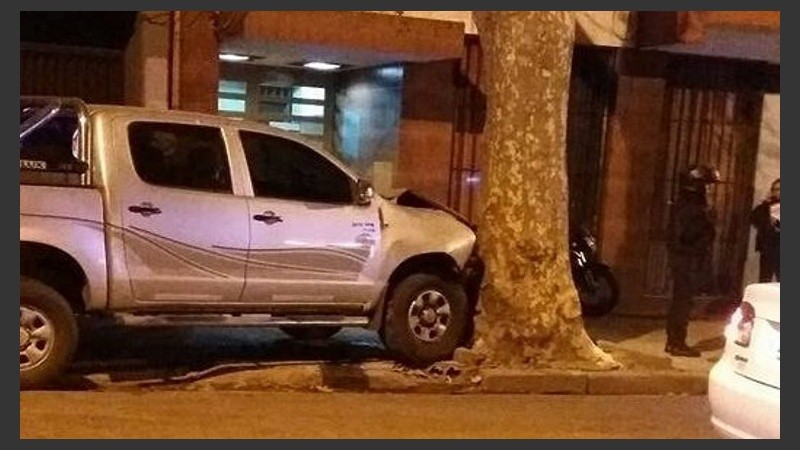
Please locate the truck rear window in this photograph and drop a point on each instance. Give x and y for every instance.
(49, 144)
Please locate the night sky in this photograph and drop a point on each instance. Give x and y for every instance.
(88, 29)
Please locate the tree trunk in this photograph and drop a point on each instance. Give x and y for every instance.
(530, 308)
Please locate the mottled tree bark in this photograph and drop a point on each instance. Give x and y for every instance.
(530, 308)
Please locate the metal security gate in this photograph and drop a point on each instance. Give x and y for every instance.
(469, 116)
(592, 90)
(712, 117)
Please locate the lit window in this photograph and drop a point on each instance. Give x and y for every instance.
(230, 105)
(303, 110)
(232, 87)
(231, 97)
(309, 93)
(286, 126)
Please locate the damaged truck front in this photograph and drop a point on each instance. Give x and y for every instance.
(157, 218)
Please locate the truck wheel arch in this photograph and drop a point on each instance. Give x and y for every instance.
(440, 264)
(57, 269)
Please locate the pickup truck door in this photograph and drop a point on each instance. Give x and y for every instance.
(309, 242)
(183, 228)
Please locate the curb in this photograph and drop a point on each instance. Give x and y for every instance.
(496, 381)
(655, 383)
(382, 379)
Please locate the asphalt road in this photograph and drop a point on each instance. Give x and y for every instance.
(200, 414)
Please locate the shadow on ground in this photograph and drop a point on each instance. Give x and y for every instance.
(614, 328)
(178, 354)
(711, 344)
(617, 328)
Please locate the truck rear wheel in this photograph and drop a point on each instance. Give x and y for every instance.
(48, 334)
(426, 319)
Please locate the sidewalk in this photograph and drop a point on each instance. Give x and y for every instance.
(638, 343)
(360, 365)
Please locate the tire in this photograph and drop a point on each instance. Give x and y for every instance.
(605, 299)
(422, 343)
(311, 333)
(43, 308)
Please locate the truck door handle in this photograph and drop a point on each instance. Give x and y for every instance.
(146, 209)
(268, 217)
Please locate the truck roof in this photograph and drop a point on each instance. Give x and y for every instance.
(102, 110)
(119, 110)
(106, 112)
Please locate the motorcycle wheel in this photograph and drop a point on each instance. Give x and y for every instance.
(599, 293)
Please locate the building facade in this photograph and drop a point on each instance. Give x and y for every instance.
(397, 95)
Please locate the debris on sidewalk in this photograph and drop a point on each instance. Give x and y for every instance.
(446, 369)
(468, 357)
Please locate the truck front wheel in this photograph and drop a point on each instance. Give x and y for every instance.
(426, 319)
(48, 334)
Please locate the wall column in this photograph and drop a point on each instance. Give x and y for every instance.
(768, 168)
(631, 156)
(426, 128)
(146, 61)
(198, 64)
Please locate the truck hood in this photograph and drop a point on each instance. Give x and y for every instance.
(411, 199)
(415, 225)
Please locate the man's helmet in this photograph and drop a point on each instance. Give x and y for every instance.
(696, 177)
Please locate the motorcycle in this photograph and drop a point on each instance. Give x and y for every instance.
(597, 288)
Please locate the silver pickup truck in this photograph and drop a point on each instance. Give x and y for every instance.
(167, 218)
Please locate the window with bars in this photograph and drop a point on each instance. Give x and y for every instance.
(713, 118)
(232, 98)
(299, 109)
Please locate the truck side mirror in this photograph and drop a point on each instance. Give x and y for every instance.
(364, 192)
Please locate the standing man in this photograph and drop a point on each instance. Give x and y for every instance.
(766, 218)
(691, 237)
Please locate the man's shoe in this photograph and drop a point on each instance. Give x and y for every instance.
(682, 350)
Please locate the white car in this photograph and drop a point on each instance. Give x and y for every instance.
(745, 385)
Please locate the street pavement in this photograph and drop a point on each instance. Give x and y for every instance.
(225, 414)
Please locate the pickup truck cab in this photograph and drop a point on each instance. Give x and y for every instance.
(165, 218)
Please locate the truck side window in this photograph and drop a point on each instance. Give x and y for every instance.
(282, 168)
(180, 156)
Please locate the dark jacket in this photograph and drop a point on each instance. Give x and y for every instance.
(692, 226)
(768, 235)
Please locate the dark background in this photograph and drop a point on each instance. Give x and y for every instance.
(102, 29)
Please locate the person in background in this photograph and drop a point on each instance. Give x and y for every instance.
(692, 234)
(766, 218)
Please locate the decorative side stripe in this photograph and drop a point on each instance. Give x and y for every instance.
(152, 239)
